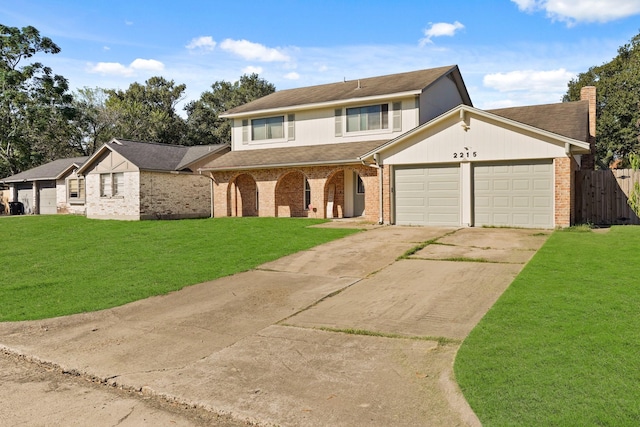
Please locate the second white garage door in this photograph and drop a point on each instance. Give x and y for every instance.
(518, 195)
(48, 198)
(427, 195)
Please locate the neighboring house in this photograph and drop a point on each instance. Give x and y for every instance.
(50, 188)
(141, 180)
(405, 149)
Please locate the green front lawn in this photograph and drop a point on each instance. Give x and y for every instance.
(561, 347)
(58, 265)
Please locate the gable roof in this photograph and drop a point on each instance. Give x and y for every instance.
(410, 82)
(569, 119)
(47, 172)
(310, 155)
(534, 114)
(152, 156)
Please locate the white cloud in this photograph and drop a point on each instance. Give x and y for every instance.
(253, 51)
(252, 69)
(529, 80)
(110, 68)
(117, 69)
(574, 11)
(292, 76)
(440, 29)
(146, 65)
(204, 43)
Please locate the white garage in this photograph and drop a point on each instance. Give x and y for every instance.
(428, 195)
(48, 196)
(519, 195)
(470, 167)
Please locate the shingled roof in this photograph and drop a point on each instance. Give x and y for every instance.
(570, 119)
(353, 89)
(153, 156)
(309, 155)
(47, 172)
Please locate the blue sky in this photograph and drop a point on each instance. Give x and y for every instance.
(510, 52)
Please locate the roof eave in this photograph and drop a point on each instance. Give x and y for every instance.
(327, 104)
(94, 156)
(282, 165)
(217, 150)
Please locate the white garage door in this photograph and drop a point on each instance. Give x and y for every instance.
(518, 195)
(25, 195)
(427, 195)
(48, 198)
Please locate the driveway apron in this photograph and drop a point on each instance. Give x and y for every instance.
(342, 334)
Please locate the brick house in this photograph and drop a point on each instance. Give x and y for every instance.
(51, 188)
(406, 149)
(133, 180)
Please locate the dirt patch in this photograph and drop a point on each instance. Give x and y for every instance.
(64, 399)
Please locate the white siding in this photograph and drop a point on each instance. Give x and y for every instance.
(445, 141)
(441, 97)
(317, 127)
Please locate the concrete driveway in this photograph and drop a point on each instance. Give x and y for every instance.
(343, 334)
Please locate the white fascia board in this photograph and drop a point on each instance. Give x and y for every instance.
(322, 105)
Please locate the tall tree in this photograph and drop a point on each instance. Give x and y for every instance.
(148, 112)
(204, 125)
(617, 104)
(35, 106)
(95, 124)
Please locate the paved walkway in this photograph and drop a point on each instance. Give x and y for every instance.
(276, 345)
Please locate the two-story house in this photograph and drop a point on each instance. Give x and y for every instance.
(406, 149)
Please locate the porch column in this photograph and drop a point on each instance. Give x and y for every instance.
(267, 197)
(317, 197)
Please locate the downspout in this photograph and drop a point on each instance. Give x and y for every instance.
(210, 176)
(376, 165)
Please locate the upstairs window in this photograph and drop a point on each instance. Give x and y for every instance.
(372, 117)
(268, 128)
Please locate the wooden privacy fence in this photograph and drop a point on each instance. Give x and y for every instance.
(601, 196)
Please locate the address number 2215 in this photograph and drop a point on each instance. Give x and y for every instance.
(465, 155)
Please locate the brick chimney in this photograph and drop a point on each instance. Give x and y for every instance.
(588, 93)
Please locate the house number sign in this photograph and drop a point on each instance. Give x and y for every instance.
(465, 155)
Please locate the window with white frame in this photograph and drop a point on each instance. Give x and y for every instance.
(267, 128)
(371, 117)
(112, 184)
(75, 189)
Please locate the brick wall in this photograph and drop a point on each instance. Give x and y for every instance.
(63, 206)
(126, 206)
(281, 191)
(564, 213)
(588, 93)
(174, 196)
